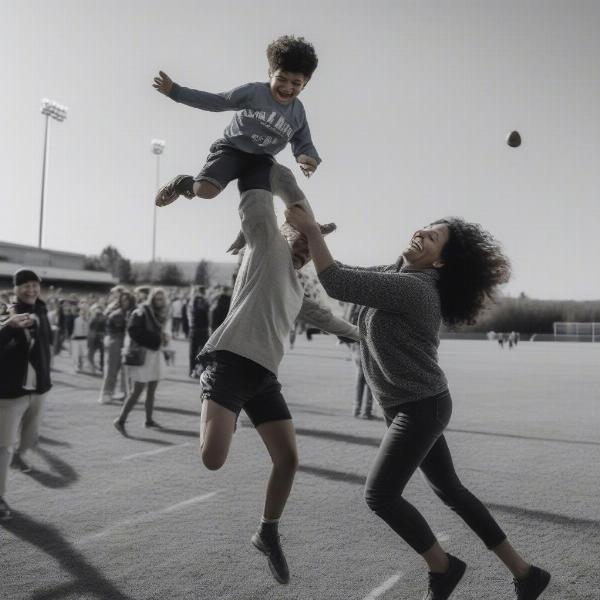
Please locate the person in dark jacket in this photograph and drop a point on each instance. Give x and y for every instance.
(219, 308)
(95, 341)
(198, 317)
(362, 391)
(147, 336)
(116, 325)
(185, 320)
(25, 338)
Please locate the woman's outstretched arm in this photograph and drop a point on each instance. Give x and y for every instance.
(385, 290)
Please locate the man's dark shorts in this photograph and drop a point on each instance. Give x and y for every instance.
(237, 383)
(226, 163)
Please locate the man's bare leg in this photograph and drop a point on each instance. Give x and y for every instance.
(217, 425)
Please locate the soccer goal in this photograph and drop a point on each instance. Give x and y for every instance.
(571, 331)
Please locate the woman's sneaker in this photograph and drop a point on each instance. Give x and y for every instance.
(441, 585)
(182, 185)
(5, 513)
(271, 548)
(533, 585)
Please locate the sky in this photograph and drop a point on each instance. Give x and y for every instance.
(409, 108)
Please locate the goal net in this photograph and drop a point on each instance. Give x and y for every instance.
(571, 331)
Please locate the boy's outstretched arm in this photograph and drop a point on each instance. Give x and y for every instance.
(233, 100)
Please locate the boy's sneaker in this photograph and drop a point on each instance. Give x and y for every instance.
(5, 513)
(152, 424)
(441, 585)
(178, 186)
(271, 548)
(19, 463)
(533, 585)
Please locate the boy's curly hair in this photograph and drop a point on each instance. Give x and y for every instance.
(474, 266)
(293, 54)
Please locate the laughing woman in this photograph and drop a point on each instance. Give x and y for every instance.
(447, 273)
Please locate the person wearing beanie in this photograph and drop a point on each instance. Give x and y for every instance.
(25, 338)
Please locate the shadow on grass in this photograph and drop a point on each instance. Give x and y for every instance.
(368, 441)
(50, 442)
(88, 581)
(147, 440)
(526, 437)
(340, 437)
(298, 407)
(182, 432)
(177, 411)
(518, 511)
(61, 474)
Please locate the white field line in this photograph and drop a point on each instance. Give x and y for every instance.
(384, 587)
(152, 452)
(149, 516)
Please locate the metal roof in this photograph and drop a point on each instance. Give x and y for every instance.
(7, 269)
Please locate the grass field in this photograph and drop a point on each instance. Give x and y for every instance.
(128, 519)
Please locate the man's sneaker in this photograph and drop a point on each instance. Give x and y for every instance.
(120, 427)
(5, 513)
(104, 399)
(533, 585)
(441, 585)
(19, 463)
(178, 186)
(271, 548)
(152, 424)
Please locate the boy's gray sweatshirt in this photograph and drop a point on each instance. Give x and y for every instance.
(261, 125)
(399, 325)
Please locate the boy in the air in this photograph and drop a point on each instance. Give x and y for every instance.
(268, 116)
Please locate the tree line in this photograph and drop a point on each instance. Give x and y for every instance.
(167, 273)
(527, 315)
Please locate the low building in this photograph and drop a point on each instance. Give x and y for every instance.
(56, 268)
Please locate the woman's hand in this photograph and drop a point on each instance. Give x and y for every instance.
(306, 224)
(301, 220)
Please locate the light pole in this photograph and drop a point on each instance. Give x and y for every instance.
(58, 113)
(157, 148)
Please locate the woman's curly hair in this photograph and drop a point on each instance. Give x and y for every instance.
(474, 265)
(293, 54)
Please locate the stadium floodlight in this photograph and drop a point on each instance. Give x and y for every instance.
(58, 112)
(157, 147)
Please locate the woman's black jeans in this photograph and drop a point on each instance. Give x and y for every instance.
(414, 440)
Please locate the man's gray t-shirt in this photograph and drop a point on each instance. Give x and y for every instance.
(267, 297)
(261, 125)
